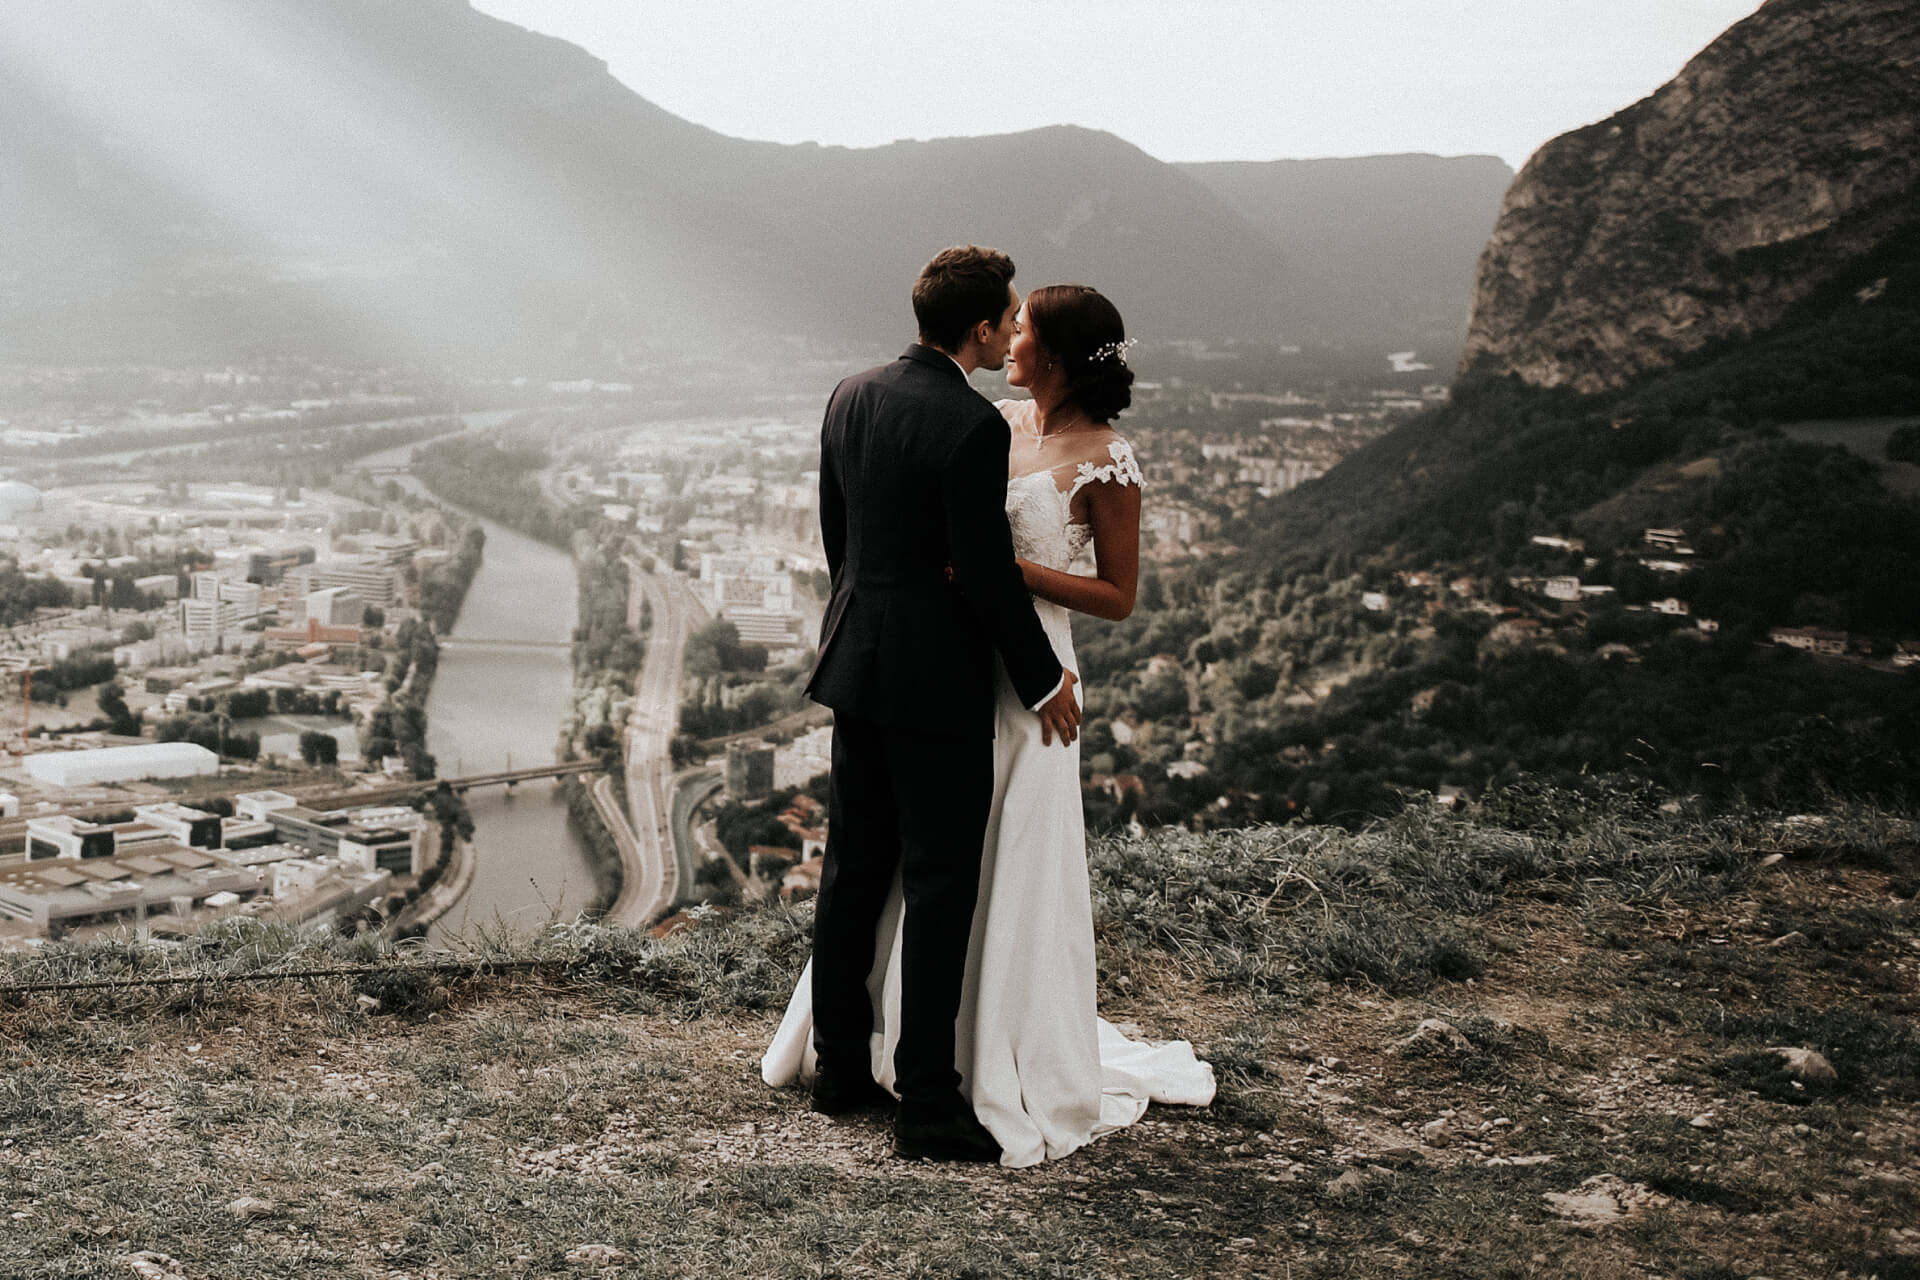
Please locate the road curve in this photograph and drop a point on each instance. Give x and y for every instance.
(647, 896)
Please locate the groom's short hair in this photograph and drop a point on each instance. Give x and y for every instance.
(957, 290)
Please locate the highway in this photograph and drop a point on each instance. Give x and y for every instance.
(646, 896)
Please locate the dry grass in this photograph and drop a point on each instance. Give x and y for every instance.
(1618, 985)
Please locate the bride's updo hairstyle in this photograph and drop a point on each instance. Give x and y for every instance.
(1076, 326)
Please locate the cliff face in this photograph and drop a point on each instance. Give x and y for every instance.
(1755, 180)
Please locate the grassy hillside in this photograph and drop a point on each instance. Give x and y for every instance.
(1616, 975)
(1390, 628)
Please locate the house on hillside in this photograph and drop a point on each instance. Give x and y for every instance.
(802, 879)
(1811, 639)
(1515, 632)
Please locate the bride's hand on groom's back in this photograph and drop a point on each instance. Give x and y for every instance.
(1060, 714)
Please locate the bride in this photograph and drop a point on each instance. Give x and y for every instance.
(1043, 1072)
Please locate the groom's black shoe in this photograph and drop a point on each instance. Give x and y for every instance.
(839, 1093)
(942, 1133)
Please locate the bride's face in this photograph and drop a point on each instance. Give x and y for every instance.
(1026, 362)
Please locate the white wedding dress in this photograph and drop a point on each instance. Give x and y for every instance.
(1044, 1072)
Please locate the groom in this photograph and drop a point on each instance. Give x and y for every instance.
(913, 479)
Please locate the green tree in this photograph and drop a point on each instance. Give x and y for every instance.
(318, 748)
(113, 705)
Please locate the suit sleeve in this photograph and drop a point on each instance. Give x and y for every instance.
(975, 496)
(833, 501)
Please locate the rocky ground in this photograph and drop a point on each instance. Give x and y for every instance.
(1706, 1074)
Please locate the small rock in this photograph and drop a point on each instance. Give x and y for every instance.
(149, 1265)
(1434, 1035)
(1347, 1183)
(1806, 1065)
(1702, 1121)
(1437, 1133)
(595, 1255)
(1603, 1201)
(1334, 1064)
(252, 1207)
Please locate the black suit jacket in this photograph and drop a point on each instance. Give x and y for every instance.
(913, 478)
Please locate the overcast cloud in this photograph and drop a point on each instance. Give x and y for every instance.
(1183, 80)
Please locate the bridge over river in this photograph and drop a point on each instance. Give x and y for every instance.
(498, 778)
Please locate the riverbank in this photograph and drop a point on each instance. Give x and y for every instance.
(454, 879)
(605, 650)
(500, 697)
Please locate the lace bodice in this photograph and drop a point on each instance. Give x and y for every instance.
(1041, 512)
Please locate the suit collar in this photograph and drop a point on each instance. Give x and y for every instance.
(934, 358)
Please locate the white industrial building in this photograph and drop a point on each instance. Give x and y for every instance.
(164, 585)
(374, 581)
(122, 764)
(335, 607)
(65, 892)
(256, 805)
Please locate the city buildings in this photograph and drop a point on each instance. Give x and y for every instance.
(63, 893)
(172, 860)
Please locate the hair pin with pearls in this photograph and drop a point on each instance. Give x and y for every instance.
(1114, 350)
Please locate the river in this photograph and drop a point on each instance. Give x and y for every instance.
(495, 703)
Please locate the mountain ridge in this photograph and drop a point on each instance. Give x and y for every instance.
(354, 179)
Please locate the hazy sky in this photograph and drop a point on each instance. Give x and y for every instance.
(1182, 79)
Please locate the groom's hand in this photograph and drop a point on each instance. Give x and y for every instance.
(1060, 714)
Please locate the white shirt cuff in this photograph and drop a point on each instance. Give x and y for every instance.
(1049, 698)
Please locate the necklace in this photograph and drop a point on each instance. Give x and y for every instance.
(1041, 435)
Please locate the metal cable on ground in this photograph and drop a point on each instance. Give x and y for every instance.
(468, 967)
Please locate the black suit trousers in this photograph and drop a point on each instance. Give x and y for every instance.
(917, 802)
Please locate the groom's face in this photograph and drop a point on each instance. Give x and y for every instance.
(993, 348)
